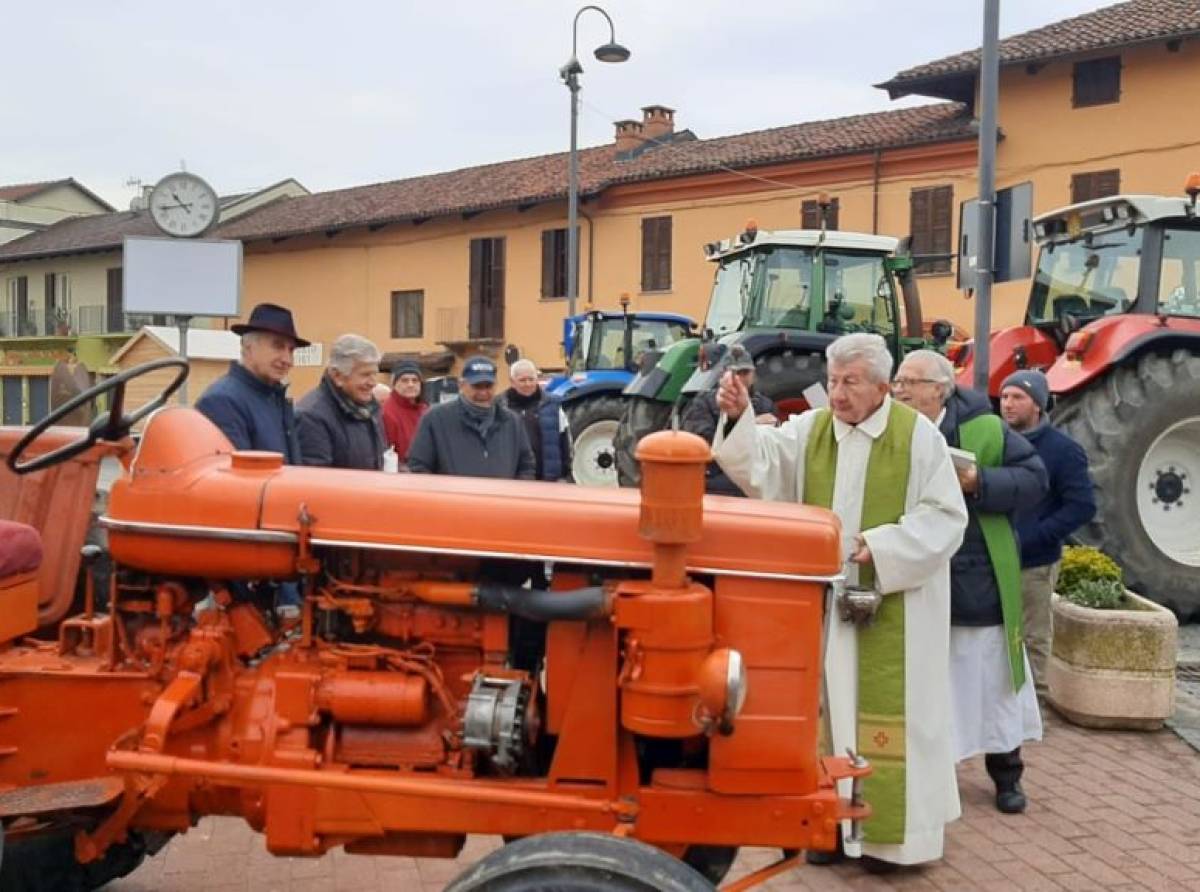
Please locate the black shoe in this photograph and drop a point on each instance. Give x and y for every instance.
(877, 865)
(1011, 800)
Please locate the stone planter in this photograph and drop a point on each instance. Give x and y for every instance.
(1113, 668)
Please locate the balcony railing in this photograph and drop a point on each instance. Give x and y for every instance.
(86, 320)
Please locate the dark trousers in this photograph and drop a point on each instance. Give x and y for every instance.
(1004, 768)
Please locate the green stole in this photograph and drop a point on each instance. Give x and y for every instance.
(881, 707)
(984, 436)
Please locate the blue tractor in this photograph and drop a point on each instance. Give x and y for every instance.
(603, 349)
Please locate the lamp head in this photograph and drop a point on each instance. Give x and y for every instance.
(612, 52)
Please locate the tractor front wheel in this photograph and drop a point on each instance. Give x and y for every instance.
(593, 429)
(579, 862)
(1140, 426)
(47, 863)
(640, 417)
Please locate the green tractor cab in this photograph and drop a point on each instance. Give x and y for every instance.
(783, 296)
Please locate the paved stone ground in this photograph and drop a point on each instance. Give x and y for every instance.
(1115, 811)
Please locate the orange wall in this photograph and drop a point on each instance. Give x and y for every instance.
(344, 283)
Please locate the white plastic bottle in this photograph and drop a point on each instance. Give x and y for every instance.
(391, 461)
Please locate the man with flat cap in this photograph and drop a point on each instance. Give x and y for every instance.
(472, 436)
(249, 403)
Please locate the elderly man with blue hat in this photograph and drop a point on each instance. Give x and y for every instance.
(472, 436)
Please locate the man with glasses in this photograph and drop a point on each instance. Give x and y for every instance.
(472, 436)
(886, 472)
(995, 707)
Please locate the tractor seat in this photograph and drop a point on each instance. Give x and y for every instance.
(20, 548)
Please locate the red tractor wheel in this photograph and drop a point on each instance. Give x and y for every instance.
(1140, 426)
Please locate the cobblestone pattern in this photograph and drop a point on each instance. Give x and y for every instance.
(1116, 811)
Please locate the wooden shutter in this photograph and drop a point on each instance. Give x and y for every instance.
(656, 254)
(930, 225)
(50, 304)
(475, 290)
(1096, 184)
(114, 302)
(810, 215)
(494, 291)
(548, 265)
(1096, 81)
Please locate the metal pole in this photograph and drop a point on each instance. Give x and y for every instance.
(182, 322)
(572, 79)
(989, 76)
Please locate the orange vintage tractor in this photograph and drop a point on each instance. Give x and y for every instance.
(654, 709)
(1114, 319)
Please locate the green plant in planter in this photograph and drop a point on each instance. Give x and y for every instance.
(1090, 578)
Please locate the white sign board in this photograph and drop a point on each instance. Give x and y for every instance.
(182, 277)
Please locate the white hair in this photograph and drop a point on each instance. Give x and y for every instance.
(249, 339)
(522, 365)
(349, 350)
(941, 369)
(869, 348)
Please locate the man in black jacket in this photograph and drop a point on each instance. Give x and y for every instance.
(702, 415)
(1042, 529)
(995, 706)
(339, 419)
(545, 422)
(472, 436)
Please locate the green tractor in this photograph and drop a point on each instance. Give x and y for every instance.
(784, 296)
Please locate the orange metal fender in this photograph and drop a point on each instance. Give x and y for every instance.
(1113, 340)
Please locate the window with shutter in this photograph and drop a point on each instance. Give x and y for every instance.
(486, 288)
(1096, 184)
(408, 314)
(931, 227)
(554, 263)
(656, 254)
(1096, 82)
(810, 215)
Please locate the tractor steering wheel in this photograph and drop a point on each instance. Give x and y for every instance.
(112, 425)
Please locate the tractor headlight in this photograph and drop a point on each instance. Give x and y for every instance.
(723, 686)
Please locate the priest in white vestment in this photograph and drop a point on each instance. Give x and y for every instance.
(908, 558)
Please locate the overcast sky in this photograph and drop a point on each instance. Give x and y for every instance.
(354, 92)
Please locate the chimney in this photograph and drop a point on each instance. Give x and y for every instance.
(658, 121)
(629, 136)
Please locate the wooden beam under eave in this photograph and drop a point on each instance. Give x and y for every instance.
(375, 227)
(522, 208)
(467, 215)
(419, 221)
(280, 238)
(333, 233)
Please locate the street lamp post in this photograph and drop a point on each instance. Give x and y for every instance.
(609, 52)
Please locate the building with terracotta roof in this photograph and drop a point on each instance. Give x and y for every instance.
(475, 258)
(31, 207)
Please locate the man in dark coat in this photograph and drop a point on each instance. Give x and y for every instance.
(995, 706)
(544, 420)
(249, 403)
(472, 436)
(1044, 527)
(339, 419)
(702, 415)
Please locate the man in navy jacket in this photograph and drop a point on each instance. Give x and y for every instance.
(1068, 504)
(250, 403)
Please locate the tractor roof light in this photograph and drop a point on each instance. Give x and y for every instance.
(750, 234)
(1077, 345)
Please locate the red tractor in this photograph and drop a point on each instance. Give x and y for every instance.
(1114, 320)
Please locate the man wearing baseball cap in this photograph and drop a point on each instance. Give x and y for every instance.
(1067, 505)
(472, 436)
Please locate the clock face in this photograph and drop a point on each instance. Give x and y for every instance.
(183, 205)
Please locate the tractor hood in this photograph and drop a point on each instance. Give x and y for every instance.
(192, 506)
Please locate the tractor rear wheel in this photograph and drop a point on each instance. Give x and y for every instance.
(641, 417)
(593, 428)
(579, 862)
(47, 863)
(1140, 426)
